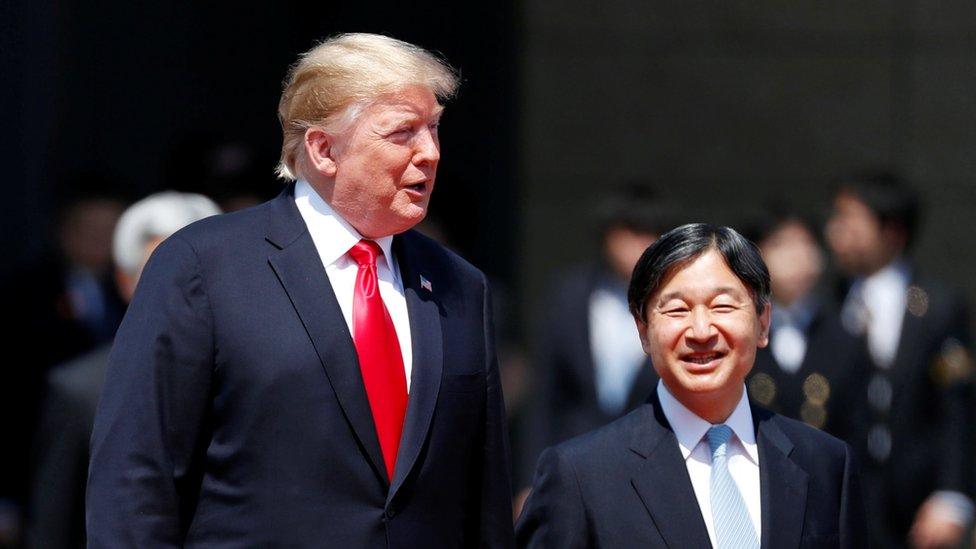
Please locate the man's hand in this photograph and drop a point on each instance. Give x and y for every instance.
(935, 526)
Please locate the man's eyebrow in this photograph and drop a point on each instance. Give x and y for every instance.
(412, 114)
(668, 297)
(728, 290)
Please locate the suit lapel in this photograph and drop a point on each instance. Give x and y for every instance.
(663, 484)
(428, 364)
(783, 484)
(303, 278)
(644, 384)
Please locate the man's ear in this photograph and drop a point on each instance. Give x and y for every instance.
(642, 332)
(764, 319)
(320, 151)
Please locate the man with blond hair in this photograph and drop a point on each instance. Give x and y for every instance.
(311, 372)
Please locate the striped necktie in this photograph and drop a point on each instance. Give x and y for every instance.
(733, 527)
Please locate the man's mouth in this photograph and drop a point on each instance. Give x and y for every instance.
(702, 358)
(420, 187)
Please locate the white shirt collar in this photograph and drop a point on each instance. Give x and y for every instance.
(893, 277)
(689, 429)
(333, 235)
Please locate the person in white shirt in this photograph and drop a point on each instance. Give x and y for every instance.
(698, 465)
(918, 393)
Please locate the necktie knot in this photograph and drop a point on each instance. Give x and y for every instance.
(718, 437)
(365, 253)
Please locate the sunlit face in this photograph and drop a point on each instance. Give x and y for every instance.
(385, 163)
(702, 330)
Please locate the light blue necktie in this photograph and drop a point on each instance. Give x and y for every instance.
(733, 527)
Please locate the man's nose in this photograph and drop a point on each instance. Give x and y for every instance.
(427, 147)
(701, 327)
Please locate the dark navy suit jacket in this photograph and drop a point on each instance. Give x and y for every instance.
(626, 485)
(234, 413)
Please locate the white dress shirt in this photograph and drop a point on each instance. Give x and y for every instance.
(884, 295)
(616, 347)
(743, 455)
(333, 237)
(788, 333)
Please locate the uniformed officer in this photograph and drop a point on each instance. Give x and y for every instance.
(919, 393)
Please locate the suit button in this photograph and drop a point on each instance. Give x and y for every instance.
(389, 514)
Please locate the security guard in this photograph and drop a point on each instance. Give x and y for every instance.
(918, 396)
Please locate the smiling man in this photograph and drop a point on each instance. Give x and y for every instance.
(698, 465)
(310, 372)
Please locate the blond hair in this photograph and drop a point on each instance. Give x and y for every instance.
(331, 84)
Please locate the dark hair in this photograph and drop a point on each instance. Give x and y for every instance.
(776, 214)
(887, 195)
(682, 245)
(636, 205)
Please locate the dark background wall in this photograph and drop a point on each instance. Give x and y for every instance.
(724, 104)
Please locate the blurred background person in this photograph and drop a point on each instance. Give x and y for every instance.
(919, 394)
(61, 305)
(812, 368)
(57, 499)
(74, 300)
(591, 368)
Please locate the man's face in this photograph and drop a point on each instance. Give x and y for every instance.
(86, 233)
(386, 162)
(794, 261)
(858, 240)
(701, 332)
(623, 247)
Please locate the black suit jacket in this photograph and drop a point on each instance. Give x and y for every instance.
(626, 485)
(833, 353)
(57, 498)
(565, 396)
(930, 415)
(234, 413)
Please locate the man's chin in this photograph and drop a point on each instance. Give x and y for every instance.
(406, 222)
(703, 385)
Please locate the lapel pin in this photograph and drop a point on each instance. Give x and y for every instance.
(425, 284)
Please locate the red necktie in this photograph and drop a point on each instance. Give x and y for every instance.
(379, 353)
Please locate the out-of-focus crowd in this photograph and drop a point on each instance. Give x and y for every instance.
(864, 344)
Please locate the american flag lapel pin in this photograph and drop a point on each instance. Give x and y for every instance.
(425, 284)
